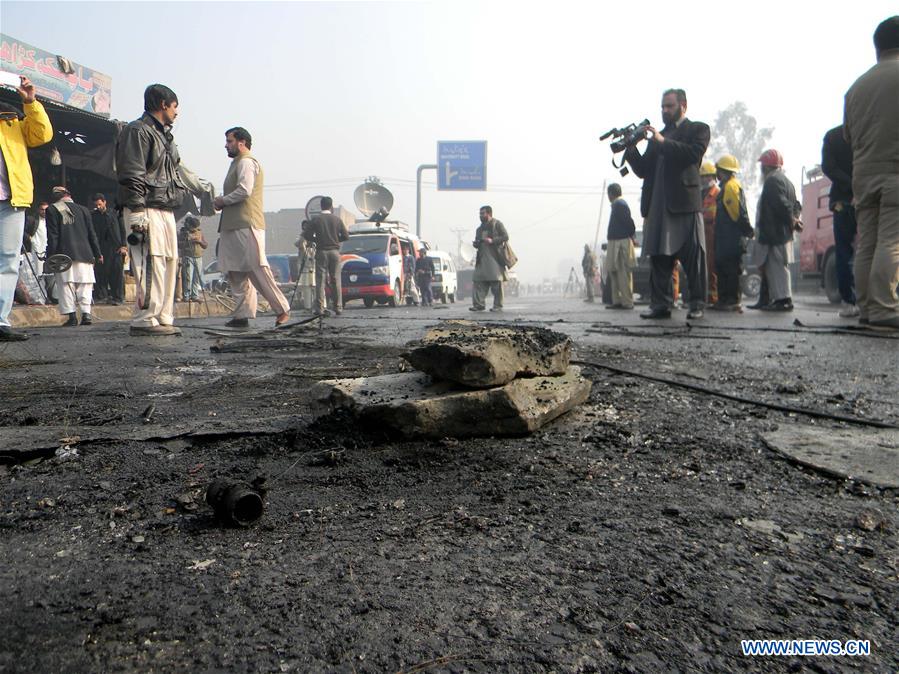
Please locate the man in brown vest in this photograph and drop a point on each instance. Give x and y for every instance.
(241, 251)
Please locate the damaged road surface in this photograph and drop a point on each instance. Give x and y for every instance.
(648, 529)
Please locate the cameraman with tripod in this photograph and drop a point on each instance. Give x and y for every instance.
(671, 205)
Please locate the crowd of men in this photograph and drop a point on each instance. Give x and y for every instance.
(694, 217)
(695, 213)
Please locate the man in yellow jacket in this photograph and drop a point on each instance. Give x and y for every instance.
(732, 229)
(17, 133)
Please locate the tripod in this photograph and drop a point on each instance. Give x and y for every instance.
(37, 279)
(309, 252)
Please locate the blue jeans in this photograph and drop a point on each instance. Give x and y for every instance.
(844, 229)
(12, 226)
(191, 278)
(424, 287)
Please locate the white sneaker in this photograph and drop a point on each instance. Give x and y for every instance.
(849, 310)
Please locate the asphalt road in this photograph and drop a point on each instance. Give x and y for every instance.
(649, 530)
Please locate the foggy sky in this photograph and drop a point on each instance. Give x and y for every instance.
(335, 92)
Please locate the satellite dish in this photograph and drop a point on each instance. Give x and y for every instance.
(466, 252)
(314, 206)
(372, 197)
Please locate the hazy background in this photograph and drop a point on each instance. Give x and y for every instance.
(334, 92)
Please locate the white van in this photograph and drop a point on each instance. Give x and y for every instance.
(445, 284)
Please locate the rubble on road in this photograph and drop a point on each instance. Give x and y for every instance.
(476, 380)
(481, 356)
(414, 405)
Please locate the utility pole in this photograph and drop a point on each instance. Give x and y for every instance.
(418, 196)
(599, 220)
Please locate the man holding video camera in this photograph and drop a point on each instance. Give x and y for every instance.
(671, 205)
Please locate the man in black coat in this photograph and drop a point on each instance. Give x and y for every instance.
(110, 231)
(671, 205)
(836, 162)
(70, 231)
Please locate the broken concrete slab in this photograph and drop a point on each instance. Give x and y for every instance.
(482, 356)
(25, 442)
(869, 456)
(415, 405)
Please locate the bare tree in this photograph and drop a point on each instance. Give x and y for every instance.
(736, 132)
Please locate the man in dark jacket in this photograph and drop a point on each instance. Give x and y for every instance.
(671, 205)
(777, 216)
(326, 231)
(620, 260)
(70, 231)
(110, 285)
(836, 162)
(150, 189)
(424, 275)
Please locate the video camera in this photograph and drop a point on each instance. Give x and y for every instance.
(627, 136)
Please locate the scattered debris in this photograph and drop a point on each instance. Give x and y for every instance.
(870, 519)
(201, 565)
(769, 528)
(66, 453)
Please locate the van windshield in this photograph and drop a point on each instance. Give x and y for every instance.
(366, 243)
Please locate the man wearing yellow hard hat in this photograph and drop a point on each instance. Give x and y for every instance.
(709, 204)
(732, 228)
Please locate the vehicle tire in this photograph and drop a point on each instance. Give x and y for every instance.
(443, 297)
(751, 285)
(395, 299)
(369, 302)
(831, 285)
(452, 298)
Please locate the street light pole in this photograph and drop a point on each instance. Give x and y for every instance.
(418, 196)
(599, 220)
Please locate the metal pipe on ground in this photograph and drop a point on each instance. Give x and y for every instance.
(235, 503)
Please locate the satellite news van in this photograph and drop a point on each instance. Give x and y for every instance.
(372, 258)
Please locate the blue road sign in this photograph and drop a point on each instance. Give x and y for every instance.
(462, 165)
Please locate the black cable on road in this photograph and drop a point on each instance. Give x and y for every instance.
(740, 399)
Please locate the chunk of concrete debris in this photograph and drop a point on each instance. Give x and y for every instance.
(488, 355)
(414, 405)
(868, 456)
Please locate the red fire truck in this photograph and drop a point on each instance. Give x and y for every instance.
(816, 243)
